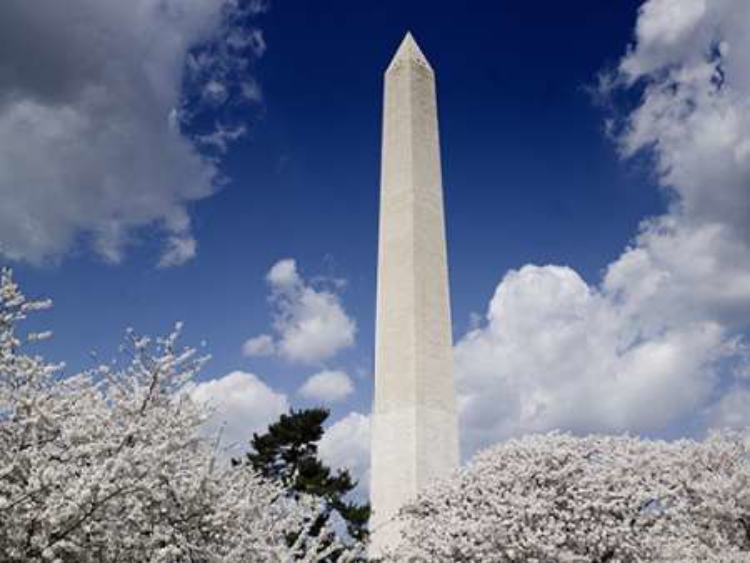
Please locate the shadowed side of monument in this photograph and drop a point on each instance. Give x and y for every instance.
(415, 430)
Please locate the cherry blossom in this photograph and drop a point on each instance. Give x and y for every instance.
(557, 497)
(109, 464)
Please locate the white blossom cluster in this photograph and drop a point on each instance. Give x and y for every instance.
(107, 465)
(556, 497)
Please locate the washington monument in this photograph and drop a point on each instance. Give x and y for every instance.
(415, 432)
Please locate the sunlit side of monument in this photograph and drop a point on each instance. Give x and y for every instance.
(415, 430)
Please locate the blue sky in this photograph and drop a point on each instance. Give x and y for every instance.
(532, 177)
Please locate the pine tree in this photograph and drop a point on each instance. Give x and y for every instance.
(288, 452)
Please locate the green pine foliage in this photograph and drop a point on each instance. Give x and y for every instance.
(288, 452)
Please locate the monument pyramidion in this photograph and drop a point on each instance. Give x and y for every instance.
(415, 430)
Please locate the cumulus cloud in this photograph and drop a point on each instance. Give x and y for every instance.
(650, 346)
(346, 445)
(241, 404)
(309, 322)
(555, 352)
(283, 275)
(327, 386)
(98, 108)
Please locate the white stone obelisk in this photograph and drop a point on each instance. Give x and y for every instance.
(414, 425)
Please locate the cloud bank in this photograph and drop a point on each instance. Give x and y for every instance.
(97, 106)
(659, 342)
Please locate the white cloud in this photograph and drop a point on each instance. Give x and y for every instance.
(262, 345)
(215, 92)
(93, 120)
(221, 137)
(180, 249)
(310, 323)
(329, 386)
(732, 411)
(346, 445)
(252, 91)
(242, 404)
(555, 352)
(283, 275)
(662, 27)
(650, 346)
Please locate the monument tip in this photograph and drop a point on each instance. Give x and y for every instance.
(409, 51)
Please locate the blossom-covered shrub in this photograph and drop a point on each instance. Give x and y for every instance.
(108, 465)
(560, 498)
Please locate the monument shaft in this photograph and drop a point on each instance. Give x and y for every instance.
(415, 434)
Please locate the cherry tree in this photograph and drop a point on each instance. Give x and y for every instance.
(556, 497)
(109, 464)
